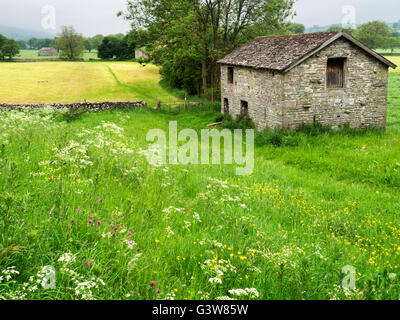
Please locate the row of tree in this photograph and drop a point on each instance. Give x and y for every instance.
(35, 44)
(122, 47)
(375, 34)
(72, 44)
(8, 48)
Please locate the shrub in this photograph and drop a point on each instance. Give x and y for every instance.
(239, 123)
(219, 118)
(314, 129)
(73, 114)
(277, 137)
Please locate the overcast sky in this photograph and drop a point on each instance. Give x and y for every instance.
(91, 17)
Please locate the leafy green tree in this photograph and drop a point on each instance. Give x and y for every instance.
(375, 34)
(88, 44)
(337, 28)
(22, 44)
(70, 43)
(109, 48)
(202, 31)
(33, 43)
(297, 28)
(10, 48)
(3, 40)
(96, 41)
(44, 43)
(395, 43)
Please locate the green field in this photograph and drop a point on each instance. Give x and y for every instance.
(77, 194)
(34, 54)
(65, 82)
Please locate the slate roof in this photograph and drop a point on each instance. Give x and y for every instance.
(283, 53)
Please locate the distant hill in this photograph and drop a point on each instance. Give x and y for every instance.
(24, 34)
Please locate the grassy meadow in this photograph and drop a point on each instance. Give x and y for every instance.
(66, 82)
(80, 207)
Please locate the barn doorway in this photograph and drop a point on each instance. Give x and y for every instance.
(226, 106)
(244, 109)
(335, 73)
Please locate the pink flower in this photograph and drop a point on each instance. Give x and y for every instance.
(101, 200)
(108, 269)
(92, 261)
(153, 284)
(91, 221)
(129, 233)
(158, 291)
(87, 263)
(23, 220)
(99, 222)
(52, 213)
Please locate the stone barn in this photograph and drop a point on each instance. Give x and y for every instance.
(141, 54)
(285, 81)
(48, 52)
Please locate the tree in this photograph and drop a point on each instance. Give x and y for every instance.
(202, 31)
(395, 43)
(33, 43)
(3, 40)
(109, 48)
(375, 34)
(22, 44)
(337, 28)
(297, 28)
(88, 44)
(70, 43)
(10, 48)
(96, 41)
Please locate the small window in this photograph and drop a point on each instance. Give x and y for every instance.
(230, 74)
(244, 109)
(226, 106)
(335, 73)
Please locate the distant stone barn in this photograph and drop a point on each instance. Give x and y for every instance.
(285, 81)
(48, 52)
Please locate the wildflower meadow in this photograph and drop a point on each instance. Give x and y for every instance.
(83, 215)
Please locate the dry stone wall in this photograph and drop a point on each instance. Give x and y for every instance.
(93, 106)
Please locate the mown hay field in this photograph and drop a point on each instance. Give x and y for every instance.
(79, 201)
(66, 82)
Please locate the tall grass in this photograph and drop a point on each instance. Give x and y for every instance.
(78, 196)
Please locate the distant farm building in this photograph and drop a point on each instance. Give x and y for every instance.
(48, 52)
(141, 54)
(285, 81)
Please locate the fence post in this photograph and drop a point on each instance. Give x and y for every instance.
(186, 107)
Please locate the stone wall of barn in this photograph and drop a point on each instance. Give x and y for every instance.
(262, 90)
(361, 103)
(301, 95)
